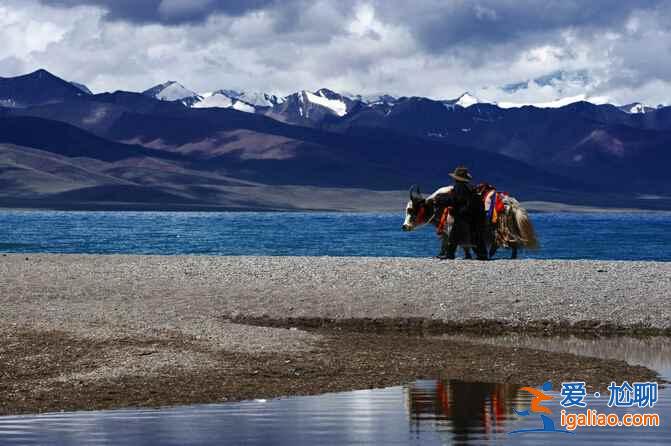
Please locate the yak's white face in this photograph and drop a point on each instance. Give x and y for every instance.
(411, 211)
(414, 210)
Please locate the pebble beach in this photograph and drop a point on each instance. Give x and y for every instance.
(77, 328)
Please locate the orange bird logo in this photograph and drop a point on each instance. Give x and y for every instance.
(539, 397)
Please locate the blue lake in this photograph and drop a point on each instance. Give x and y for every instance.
(612, 236)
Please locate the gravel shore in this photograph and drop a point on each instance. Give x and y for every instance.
(91, 293)
(91, 331)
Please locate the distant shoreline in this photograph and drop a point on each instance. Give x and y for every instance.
(549, 206)
(532, 206)
(110, 331)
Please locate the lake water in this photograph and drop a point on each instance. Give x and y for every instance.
(612, 236)
(425, 412)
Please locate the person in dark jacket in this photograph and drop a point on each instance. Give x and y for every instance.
(467, 210)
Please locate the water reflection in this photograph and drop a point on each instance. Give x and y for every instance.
(482, 413)
(463, 410)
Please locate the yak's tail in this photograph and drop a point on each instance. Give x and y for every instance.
(525, 229)
(515, 226)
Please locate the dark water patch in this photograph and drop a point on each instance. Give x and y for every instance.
(18, 247)
(424, 326)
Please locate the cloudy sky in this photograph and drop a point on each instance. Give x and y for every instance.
(502, 50)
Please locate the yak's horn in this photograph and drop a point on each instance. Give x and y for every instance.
(415, 193)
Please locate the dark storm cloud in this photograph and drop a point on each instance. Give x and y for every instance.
(441, 25)
(438, 25)
(142, 11)
(166, 11)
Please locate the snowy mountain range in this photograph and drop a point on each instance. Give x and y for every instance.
(303, 104)
(171, 144)
(301, 107)
(309, 107)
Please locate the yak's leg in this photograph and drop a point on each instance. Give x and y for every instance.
(447, 251)
(467, 253)
(513, 248)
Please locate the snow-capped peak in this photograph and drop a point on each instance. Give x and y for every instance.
(82, 87)
(224, 99)
(557, 103)
(217, 99)
(466, 100)
(251, 98)
(329, 94)
(260, 99)
(377, 99)
(636, 108)
(171, 91)
(327, 99)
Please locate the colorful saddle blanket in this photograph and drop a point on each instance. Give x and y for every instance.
(494, 203)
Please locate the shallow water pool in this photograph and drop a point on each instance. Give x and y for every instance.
(427, 412)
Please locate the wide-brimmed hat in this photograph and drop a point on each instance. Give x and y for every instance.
(461, 174)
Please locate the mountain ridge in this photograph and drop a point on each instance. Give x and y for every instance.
(161, 141)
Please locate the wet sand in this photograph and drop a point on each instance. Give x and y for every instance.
(88, 332)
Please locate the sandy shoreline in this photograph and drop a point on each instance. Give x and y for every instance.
(81, 332)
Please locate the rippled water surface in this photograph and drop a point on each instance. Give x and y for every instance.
(613, 236)
(426, 412)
